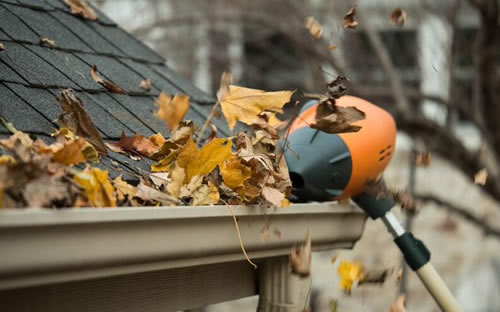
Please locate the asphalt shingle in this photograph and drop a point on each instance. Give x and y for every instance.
(86, 33)
(14, 27)
(21, 115)
(6, 73)
(57, 4)
(48, 27)
(68, 64)
(114, 71)
(3, 36)
(33, 68)
(35, 4)
(159, 82)
(128, 44)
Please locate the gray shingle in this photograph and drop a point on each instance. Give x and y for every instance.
(123, 115)
(36, 4)
(115, 71)
(34, 69)
(14, 27)
(6, 73)
(128, 44)
(143, 108)
(47, 26)
(57, 4)
(70, 65)
(86, 33)
(21, 115)
(159, 82)
(10, 1)
(3, 36)
(183, 84)
(42, 100)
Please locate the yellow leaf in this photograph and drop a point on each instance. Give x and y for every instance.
(203, 161)
(349, 272)
(245, 104)
(88, 150)
(71, 153)
(213, 195)
(285, 203)
(7, 160)
(177, 177)
(157, 139)
(98, 189)
(123, 188)
(164, 164)
(234, 173)
(171, 110)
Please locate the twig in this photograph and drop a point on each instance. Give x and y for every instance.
(239, 234)
(487, 229)
(207, 121)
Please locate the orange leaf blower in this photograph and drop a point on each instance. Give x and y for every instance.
(326, 167)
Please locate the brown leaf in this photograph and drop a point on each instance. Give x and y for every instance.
(123, 189)
(349, 21)
(399, 304)
(313, 26)
(148, 193)
(422, 159)
(273, 195)
(332, 118)
(82, 8)
(136, 144)
(336, 87)
(47, 42)
(398, 17)
(481, 176)
(145, 84)
(77, 120)
(172, 110)
(42, 191)
(111, 86)
(300, 258)
(2, 48)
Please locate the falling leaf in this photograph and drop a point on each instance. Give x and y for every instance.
(234, 173)
(399, 304)
(111, 86)
(300, 258)
(123, 189)
(398, 17)
(375, 276)
(75, 118)
(171, 110)
(332, 47)
(138, 144)
(422, 159)
(245, 104)
(481, 176)
(81, 8)
(273, 196)
(349, 272)
(98, 190)
(349, 21)
(313, 26)
(145, 84)
(203, 161)
(336, 87)
(331, 118)
(47, 42)
(177, 177)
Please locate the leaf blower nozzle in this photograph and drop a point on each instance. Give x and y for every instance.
(327, 166)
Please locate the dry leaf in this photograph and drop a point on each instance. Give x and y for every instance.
(157, 139)
(481, 176)
(332, 47)
(145, 84)
(110, 86)
(177, 177)
(203, 161)
(398, 17)
(98, 189)
(300, 258)
(136, 144)
(47, 42)
(172, 110)
(332, 118)
(273, 196)
(64, 135)
(399, 304)
(6, 160)
(226, 80)
(349, 272)
(123, 189)
(2, 48)
(70, 153)
(313, 26)
(82, 8)
(76, 119)
(349, 21)
(422, 159)
(43, 190)
(244, 104)
(148, 193)
(234, 173)
(375, 276)
(206, 194)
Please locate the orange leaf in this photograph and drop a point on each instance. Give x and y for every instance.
(138, 144)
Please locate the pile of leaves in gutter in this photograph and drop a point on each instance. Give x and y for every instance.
(241, 169)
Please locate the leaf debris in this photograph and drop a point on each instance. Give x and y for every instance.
(47, 42)
(349, 21)
(313, 26)
(398, 17)
(145, 84)
(110, 86)
(81, 8)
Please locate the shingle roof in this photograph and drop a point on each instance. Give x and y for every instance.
(31, 75)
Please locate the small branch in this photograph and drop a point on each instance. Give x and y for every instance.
(462, 212)
(207, 122)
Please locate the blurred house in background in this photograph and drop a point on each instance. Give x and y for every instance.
(435, 67)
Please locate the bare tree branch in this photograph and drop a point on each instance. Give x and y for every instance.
(462, 212)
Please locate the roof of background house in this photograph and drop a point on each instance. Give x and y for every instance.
(31, 75)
